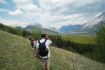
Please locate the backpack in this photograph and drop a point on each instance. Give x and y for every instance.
(42, 49)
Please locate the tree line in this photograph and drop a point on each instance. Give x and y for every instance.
(21, 31)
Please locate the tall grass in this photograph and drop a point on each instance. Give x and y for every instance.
(16, 54)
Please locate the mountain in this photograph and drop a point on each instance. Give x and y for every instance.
(89, 28)
(94, 24)
(50, 32)
(69, 28)
(19, 27)
(35, 26)
(43, 30)
(17, 54)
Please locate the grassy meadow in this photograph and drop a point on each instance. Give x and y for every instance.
(16, 54)
(87, 46)
(80, 39)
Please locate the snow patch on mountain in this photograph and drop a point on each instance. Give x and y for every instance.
(95, 21)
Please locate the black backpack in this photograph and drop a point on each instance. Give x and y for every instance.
(42, 49)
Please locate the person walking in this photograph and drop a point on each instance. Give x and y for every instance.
(33, 42)
(43, 51)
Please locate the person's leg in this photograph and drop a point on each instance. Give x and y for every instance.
(48, 64)
(43, 64)
(43, 67)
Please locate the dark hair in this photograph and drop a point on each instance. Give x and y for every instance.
(43, 35)
(31, 38)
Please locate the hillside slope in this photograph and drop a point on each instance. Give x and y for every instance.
(16, 54)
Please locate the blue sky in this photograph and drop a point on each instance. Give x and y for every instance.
(49, 13)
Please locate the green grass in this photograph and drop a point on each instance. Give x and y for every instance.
(80, 39)
(16, 54)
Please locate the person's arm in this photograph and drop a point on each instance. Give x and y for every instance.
(36, 50)
(48, 43)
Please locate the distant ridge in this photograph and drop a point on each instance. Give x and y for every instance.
(43, 30)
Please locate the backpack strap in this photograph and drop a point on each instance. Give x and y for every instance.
(39, 41)
(45, 40)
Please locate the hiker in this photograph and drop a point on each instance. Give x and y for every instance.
(43, 51)
(33, 42)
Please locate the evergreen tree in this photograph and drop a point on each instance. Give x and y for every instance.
(100, 40)
(100, 36)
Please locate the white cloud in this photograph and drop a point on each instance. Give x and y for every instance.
(84, 2)
(49, 12)
(2, 1)
(13, 23)
(26, 5)
(17, 12)
(29, 9)
(4, 10)
(58, 21)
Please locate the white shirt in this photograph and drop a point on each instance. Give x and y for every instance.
(34, 43)
(47, 43)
